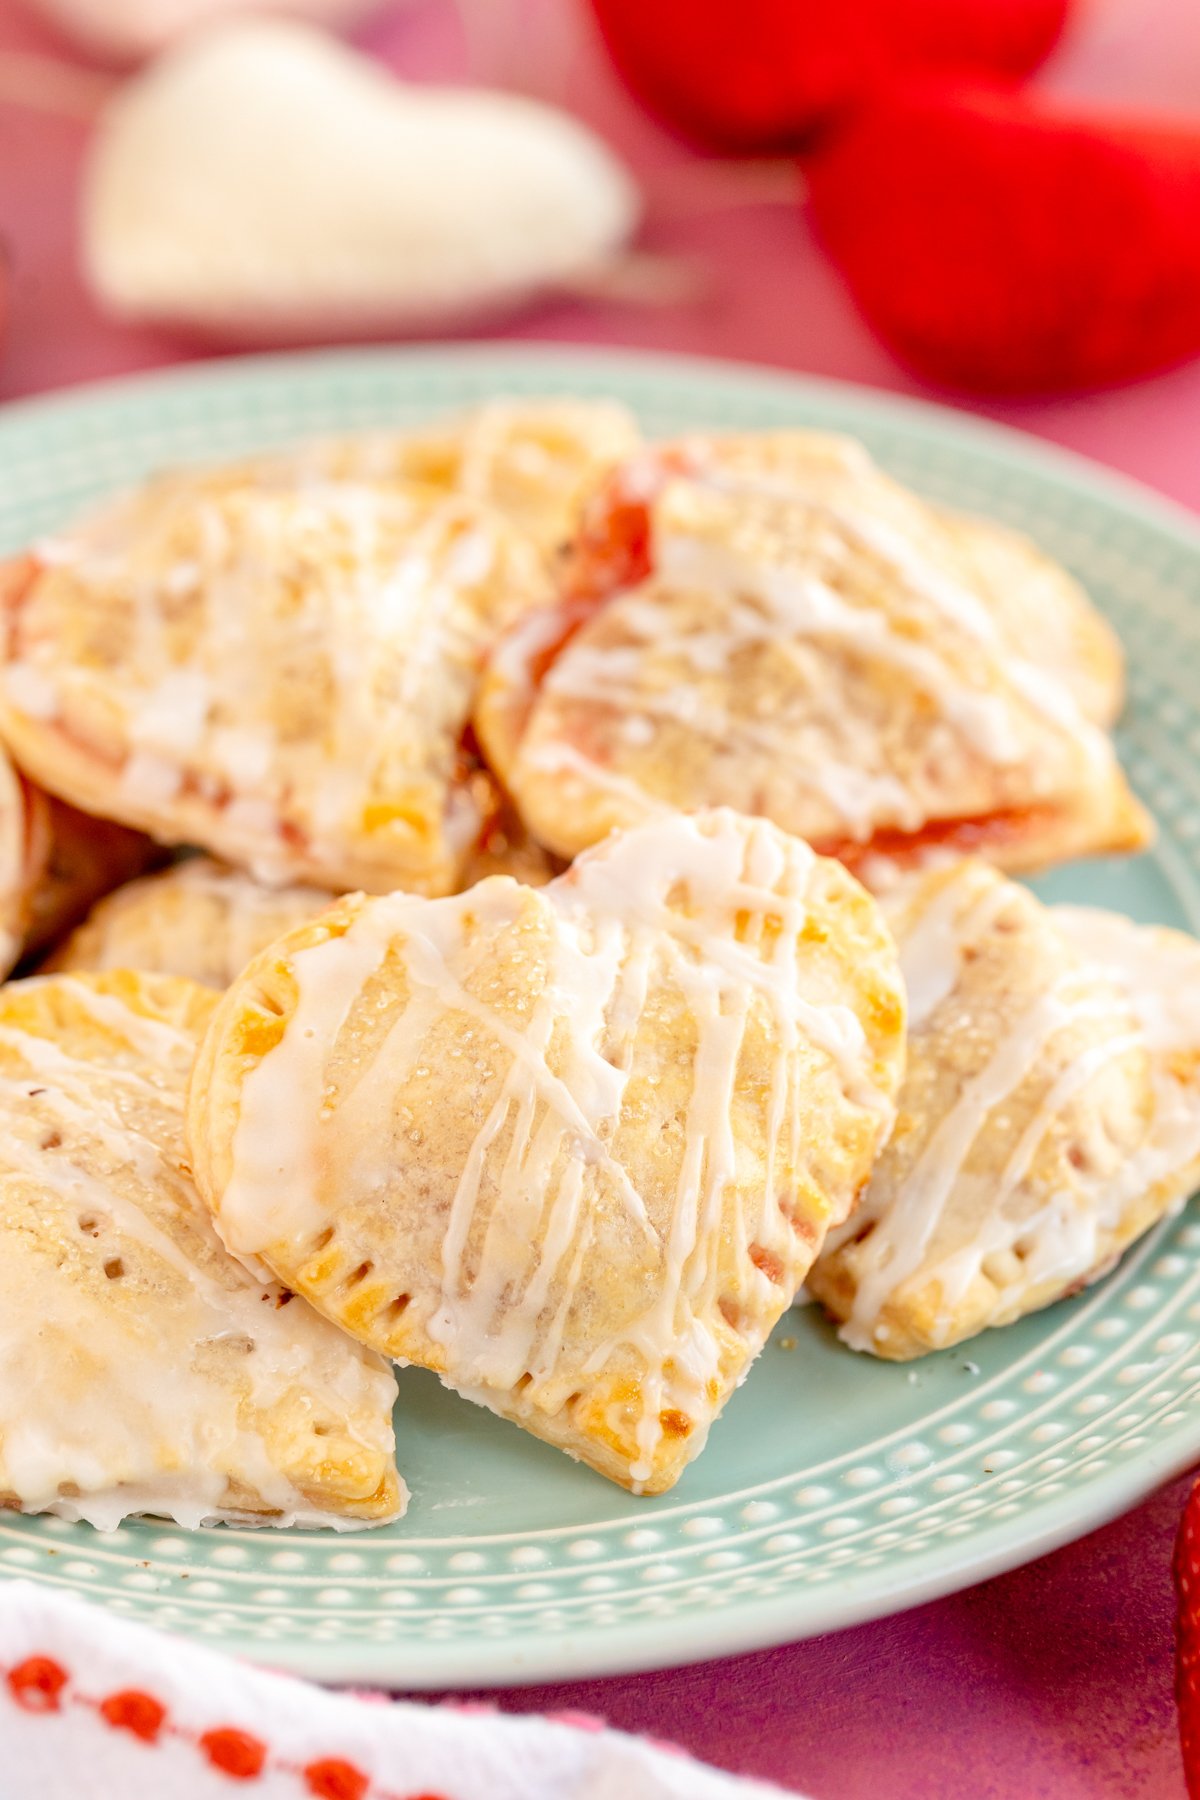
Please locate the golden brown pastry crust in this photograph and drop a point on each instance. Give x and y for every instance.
(1045, 1122)
(282, 674)
(198, 919)
(536, 460)
(573, 1147)
(769, 623)
(143, 1369)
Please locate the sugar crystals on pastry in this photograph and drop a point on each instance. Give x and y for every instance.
(143, 1369)
(54, 861)
(199, 919)
(1049, 1115)
(571, 1147)
(534, 460)
(203, 920)
(282, 674)
(769, 622)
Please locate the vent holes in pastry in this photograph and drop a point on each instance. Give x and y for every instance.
(320, 1430)
(731, 1312)
(398, 1306)
(114, 1268)
(1078, 1158)
(675, 1424)
(522, 1382)
(360, 1274)
(90, 1224)
(1002, 1267)
(52, 1140)
(766, 1262)
(324, 1240)
(268, 1004)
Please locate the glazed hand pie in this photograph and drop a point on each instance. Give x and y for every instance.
(198, 919)
(536, 461)
(282, 675)
(768, 622)
(206, 921)
(54, 861)
(1043, 612)
(142, 1370)
(1050, 1113)
(573, 1147)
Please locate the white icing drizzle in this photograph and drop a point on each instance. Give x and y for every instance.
(935, 633)
(648, 912)
(1158, 968)
(197, 919)
(1062, 1242)
(931, 944)
(304, 656)
(150, 1400)
(902, 1235)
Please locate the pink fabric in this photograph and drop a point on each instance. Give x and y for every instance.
(1056, 1680)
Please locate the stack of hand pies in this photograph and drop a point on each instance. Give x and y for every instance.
(549, 899)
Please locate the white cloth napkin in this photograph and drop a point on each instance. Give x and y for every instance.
(91, 1705)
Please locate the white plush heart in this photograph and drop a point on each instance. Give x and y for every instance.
(127, 30)
(265, 181)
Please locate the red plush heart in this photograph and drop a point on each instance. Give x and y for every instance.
(767, 74)
(1000, 244)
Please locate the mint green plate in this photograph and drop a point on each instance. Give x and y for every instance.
(834, 1488)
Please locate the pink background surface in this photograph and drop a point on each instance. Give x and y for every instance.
(1054, 1680)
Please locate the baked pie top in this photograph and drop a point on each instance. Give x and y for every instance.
(144, 1370)
(536, 460)
(769, 622)
(282, 674)
(571, 1147)
(206, 921)
(1050, 1112)
(198, 919)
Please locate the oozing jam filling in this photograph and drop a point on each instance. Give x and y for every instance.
(615, 551)
(990, 831)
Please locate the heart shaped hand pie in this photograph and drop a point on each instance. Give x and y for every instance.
(142, 1370)
(1050, 1113)
(54, 861)
(205, 921)
(769, 622)
(573, 1148)
(281, 672)
(198, 919)
(261, 180)
(535, 461)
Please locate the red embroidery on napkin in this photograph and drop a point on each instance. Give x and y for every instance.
(332, 1779)
(234, 1752)
(37, 1683)
(131, 1710)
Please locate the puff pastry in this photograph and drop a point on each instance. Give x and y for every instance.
(143, 1370)
(570, 1147)
(281, 674)
(769, 622)
(1050, 1113)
